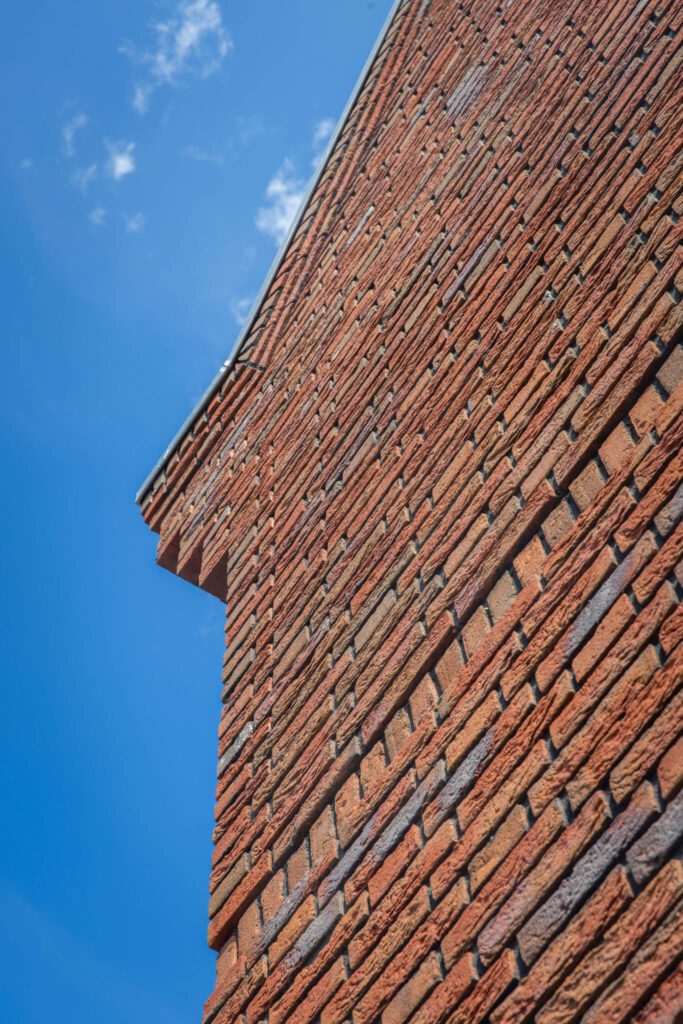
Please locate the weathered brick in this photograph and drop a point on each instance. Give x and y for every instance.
(295, 927)
(323, 837)
(394, 865)
(616, 449)
(587, 485)
(620, 942)
(465, 376)
(474, 633)
(558, 524)
(662, 837)
(347, 797)
(529, 562)
(424, 701)
(670, 770)
(566, 949)
(502, 596)
(506, 837)
(415, 989)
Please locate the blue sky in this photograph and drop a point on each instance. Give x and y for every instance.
(153, 154)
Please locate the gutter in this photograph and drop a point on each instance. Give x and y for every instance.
(256, 308)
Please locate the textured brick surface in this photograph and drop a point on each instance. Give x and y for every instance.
(440, 493)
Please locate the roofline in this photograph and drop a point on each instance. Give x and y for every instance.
(275, 266)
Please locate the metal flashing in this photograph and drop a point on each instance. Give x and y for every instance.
(275, 266)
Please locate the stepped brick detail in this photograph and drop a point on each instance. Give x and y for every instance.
(440, 492)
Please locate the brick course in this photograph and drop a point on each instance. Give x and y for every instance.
(440, 494)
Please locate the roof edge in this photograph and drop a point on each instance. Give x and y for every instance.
(275, 266)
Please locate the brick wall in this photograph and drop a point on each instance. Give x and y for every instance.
(440, 494)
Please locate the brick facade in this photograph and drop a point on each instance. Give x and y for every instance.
(440, 494)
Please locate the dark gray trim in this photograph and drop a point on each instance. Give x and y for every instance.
(256, 308)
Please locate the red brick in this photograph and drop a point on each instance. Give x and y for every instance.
(558, 524)
(465, 375)
(475, 631)
(323, 837)
(502, 596)
(394, 865)
(617, 448)
(424, 701)
(603, 964)
(587, 485)
(249, 931)
(413, 992)
(347, 798)
(397, 733)
(671, 373)
(529, 562)
(670, 770)
(285, 939)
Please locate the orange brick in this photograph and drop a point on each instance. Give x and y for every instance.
(529, 561)
(413, 992)
(323, 837)
(346, 800)
(558, 524)
(644, 413)
(507, 836)
(449, 665)
(423, 702)
(475, 631)
(299, 920)
(614, 623)
(273, 895)
(397, 733)
(502, 596)
(587, 486)
(297, 866)
(671, 373)
(371, 767)
(249, 931)
(394, 865)
(670, 770)
(617, 449)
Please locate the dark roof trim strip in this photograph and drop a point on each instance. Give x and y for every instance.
(256, 308)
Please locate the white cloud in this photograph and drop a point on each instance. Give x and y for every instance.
(134, 222)
(83, 176)
(98, 216)
(286, 190)
(26, 164)
(322, 133)
(240, 309)
(121, 160)
(285, 193)
(69, 132)
(191, 44)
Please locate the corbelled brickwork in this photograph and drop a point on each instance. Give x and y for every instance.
(440, 494)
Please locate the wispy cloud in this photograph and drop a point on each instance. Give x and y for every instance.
(26, 164)
(134, 222)
(121, 159)
(191, 44)
(69, 132)
(98, 216)
(286, 190)
(322, 133)
(240, 309)
(248, 129)
(195, 153)
(284, 193)
(83, 176)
